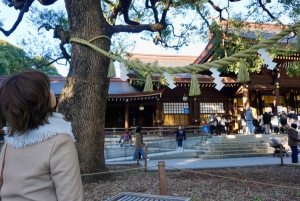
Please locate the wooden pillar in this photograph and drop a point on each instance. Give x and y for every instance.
(126, 115)
(229, 108)
(195, 110)
(277, 100)
(245, 98)
(158, 111)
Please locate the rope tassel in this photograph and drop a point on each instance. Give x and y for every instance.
(111, 69)
(148, 85)
(243, 75)
(194, 88)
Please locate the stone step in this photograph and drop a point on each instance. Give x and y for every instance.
(235, 155)
(197, 147)
(220, 147)
(236, 142)
(236, 148)
(238, 152)
(243, 137)
(254, 144)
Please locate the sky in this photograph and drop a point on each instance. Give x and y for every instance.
(10, 15)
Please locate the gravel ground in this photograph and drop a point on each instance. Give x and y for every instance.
(248, 183)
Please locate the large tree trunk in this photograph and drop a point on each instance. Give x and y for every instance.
(83, 99)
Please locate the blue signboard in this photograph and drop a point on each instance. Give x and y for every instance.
(205, 129)
(186, 110)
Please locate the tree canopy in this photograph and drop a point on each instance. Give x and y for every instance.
(13, 60)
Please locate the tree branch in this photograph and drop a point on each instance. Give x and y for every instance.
(48, 63)
(24, 7)
(164, 13)
(203, 17)
(139, 28)
(122, 6)
(270, 14)
(153, 7)
(62, 35)
(47, 2)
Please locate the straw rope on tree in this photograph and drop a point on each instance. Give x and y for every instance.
(195, 67)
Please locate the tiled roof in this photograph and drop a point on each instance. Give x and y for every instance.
(250, 31)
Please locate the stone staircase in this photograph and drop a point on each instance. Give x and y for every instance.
(237, 146)
(226, 146)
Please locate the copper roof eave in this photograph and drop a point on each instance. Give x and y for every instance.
(142, 94)
(206, 53)
(207, 80)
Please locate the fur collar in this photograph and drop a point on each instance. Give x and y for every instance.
(57, 125)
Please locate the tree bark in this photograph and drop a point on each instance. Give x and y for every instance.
(84, 96)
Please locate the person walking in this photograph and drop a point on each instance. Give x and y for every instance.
(267, 121)
(249, 119)
(293, 142)
(213, 123)
(180, 136)
(283, 121)
(139, 144)
(293, 118)
(244, 123)
(39, 160)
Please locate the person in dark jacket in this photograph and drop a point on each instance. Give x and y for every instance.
(293, 118)
(180, 136)
(293, 142)
(283, 121)
(267, 121)
(213, 123)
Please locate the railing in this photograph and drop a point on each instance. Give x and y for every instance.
(158, 139)
(161, 131)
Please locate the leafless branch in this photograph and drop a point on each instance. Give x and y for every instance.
(61, 34)
(122, 6)
(24, 7)
(216, 8)
(46, 63)
(270, 14)
(47, 2)
(139, 28)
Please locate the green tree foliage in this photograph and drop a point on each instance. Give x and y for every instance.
(13, 59)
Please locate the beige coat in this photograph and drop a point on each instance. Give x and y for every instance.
(42, 171)
(138, 141)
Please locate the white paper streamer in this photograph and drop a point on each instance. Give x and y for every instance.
(218, 79)
(268, 60)
(170, 81)
(123, 72)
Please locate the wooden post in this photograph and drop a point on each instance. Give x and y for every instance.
(162, 177)
(281, 155)
(146, 154)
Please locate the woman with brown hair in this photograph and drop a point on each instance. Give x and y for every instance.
(39, 159)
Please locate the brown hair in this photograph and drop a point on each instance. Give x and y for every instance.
(25, 101)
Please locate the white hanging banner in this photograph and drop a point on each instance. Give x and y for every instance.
(218, 79)
(123, 72)
(266, 56)
(170, 81)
